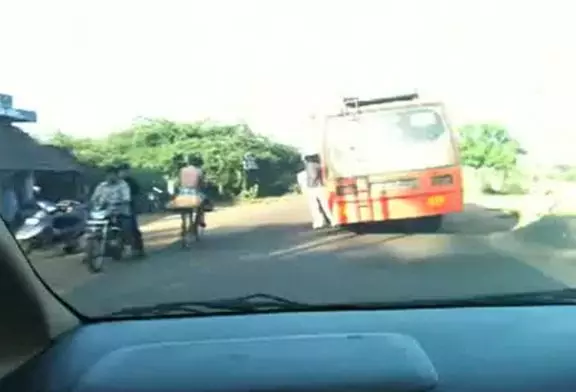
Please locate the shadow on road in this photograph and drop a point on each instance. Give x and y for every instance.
(277, 239)
(282, 255)
(291, 260)
(285, 238)
(253, 238)
(455, 274)
(479, 220)
(324, 267)
(553, 231)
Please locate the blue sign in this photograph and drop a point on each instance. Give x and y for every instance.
(5, 101)
(7, 112)
(18, 115)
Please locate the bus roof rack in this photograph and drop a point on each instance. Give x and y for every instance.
(355, 103)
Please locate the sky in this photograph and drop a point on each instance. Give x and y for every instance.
(90, 67)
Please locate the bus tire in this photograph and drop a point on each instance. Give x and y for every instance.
(358, 228)
(430, 224)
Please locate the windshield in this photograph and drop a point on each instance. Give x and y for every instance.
(214, 140)
(387, 140)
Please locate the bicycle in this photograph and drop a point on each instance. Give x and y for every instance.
(190, 230)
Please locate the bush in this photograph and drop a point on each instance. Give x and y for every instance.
(514, 189)
(151, 146)
(513, 183)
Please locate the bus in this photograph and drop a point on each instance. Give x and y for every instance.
(391, 159)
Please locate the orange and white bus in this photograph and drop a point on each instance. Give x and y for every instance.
(393, 158)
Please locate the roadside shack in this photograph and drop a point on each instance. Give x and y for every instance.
(23, 159)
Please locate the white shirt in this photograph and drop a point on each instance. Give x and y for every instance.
(302, 180)
(116, 193)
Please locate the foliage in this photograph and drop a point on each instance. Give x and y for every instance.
(150, 146)
(513, 182)
(488, 146)
(492, 154)
(563, 173)
(249, 194)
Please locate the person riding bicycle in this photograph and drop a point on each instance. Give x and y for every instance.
(191, 183)
(114, 194)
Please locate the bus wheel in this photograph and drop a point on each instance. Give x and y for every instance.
(358, 228)
(430, 224)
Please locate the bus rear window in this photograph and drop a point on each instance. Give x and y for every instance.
(413, 126)
(386, 140)
(421, 125)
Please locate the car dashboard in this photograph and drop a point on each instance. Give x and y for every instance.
(447, 350)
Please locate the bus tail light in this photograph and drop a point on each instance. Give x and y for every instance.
(445, 179)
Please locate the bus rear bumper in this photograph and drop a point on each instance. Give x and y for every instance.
(347, 212)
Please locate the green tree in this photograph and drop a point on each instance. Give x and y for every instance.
(150, 145)
(488, 146)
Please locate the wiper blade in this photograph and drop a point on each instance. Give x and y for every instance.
(262, 302)
(549, 297)
(247, 304)
(565, 296)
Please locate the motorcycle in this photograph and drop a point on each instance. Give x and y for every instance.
(50, 224)
(104, 238)
(154, 202)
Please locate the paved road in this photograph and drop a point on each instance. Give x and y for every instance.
(270, 248)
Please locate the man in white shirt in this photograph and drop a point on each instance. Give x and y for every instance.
(311, 183)
(113, 192)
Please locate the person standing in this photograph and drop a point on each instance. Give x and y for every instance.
(137, 241)
(10, 205)
(314, 190)
(28, 189)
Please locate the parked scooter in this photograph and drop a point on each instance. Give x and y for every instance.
(53, 224)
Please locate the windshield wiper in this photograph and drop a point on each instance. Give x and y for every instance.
(260, 302)
(566, 296)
